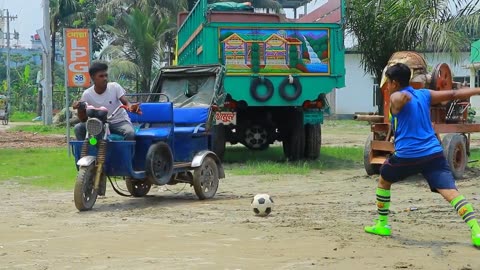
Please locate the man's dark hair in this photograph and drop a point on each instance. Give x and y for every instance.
(97, 66)
(400, 73)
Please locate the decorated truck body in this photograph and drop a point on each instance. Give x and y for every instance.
(278, 73)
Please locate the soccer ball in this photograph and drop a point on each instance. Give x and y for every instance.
(262, 205)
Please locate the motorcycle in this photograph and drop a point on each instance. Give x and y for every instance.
(91, 177)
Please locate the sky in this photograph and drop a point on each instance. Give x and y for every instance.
(30, 17)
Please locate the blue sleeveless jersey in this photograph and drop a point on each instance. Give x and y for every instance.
(413, 131)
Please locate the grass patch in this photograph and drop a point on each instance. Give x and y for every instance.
(42, 167)
(22, 116)
(474, 155)
(241, 161)
(41, 129)
(51, 168)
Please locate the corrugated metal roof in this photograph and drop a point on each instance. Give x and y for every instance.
(329, 12)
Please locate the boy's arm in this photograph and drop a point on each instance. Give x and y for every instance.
(131, 107)
(398, 100)
(441, 96)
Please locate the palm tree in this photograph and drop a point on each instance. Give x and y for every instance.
(136, 44)
(383, 27)
(61, 13)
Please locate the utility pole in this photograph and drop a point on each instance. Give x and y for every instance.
(47, 102)
(8, 18)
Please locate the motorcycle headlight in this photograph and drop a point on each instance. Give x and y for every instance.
(94, 126)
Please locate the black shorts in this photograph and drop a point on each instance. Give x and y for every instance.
(434, 168)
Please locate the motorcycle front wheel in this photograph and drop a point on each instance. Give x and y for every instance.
(85, 194)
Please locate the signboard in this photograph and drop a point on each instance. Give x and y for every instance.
(226, 118)
(77, 57)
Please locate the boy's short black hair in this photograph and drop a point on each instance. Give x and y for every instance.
(97, 66)
(400, 73)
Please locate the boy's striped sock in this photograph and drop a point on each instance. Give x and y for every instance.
(465, 210)
(383, 205)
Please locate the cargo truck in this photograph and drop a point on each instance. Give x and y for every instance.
(278, 73)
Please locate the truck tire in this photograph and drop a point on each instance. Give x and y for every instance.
(254, 87)
(219, 141)
(296, 85)
(313, 141)
(294, 138)
(455, 152)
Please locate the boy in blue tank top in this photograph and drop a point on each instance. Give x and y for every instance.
(417, 149)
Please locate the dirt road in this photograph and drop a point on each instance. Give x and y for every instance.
(316, 224)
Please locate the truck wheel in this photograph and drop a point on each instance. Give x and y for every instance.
(254, 89)
(313, 141)
(297, 86)
(219, 141)
(455, 152)
(371, 169)
(294, 138)
(256, 137)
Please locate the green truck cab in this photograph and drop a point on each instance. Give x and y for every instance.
(278, 73)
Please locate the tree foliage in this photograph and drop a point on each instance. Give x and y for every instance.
(383, 27)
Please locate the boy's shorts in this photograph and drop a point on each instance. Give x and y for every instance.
(434, 168)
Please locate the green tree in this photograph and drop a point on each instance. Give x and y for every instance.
(136, 44)
(86, 17)
(62, 13)
(388, 26)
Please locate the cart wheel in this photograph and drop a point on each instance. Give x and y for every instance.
(85, 194)
(455, 152)
(205, 179)
(159, 164)
(313, 141)
(138, 188)
(371, 169)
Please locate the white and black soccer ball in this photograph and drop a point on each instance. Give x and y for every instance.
(262, 205)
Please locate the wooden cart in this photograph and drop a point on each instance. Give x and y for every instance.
(449, 119)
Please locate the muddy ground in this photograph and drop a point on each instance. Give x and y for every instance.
(317, 223)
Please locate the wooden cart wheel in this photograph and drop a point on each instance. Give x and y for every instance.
(442, 78)
(455, 151)
(371, 169)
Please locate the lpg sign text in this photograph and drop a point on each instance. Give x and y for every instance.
(77, 57)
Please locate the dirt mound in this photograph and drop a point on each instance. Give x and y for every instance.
(19, 139)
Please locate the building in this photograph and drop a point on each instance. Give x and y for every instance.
(359, 93)
(330, 12)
